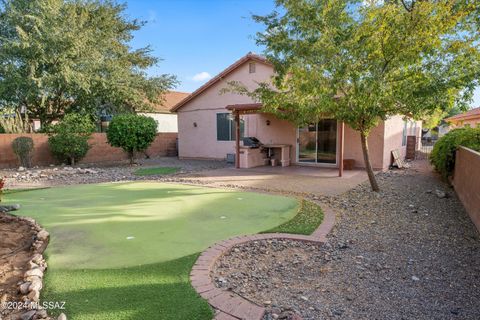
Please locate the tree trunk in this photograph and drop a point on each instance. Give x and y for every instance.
(368, 164)
(131, 155)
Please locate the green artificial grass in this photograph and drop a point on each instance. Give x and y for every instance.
(125, 250)
(156, 171)
(305, 222)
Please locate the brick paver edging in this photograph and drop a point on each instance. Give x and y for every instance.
(229, 305)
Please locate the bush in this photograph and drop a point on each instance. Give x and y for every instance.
(132, 133)
(68, 139)
(23, 148)
(443, 153)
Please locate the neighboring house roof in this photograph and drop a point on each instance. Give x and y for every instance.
(170, 99)
(248, 57)
(470, 114)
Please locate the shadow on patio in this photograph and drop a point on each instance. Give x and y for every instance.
(293, 179)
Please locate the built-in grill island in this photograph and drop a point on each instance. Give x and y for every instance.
(253, 153)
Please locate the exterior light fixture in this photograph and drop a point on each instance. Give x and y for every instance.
(268, 122)
(194, 124)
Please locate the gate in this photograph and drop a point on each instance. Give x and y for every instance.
(425, 148)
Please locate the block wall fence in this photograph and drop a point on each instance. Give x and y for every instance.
(466, 181)
(100, 151)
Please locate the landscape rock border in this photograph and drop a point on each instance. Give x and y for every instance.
(32, 283)
(228, 305)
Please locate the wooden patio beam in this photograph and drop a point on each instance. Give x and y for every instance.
(237, 139)
(341, 136)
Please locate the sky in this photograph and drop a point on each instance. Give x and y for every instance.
(197, 39)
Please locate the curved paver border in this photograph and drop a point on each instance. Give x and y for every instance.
(229, 305)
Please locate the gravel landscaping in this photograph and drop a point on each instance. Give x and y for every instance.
(66, 175)
(409, 252)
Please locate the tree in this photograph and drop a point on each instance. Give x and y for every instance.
(23, 149)
(68, 139)
(60, 56)
(364, 61)
(132, 132)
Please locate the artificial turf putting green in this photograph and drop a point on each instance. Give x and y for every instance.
(124, 250)
(156, 171)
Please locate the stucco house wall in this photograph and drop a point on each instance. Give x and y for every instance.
(166, 122)
(353, 147)
(201, 141)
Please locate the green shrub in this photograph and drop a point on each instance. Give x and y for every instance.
(23, 148)
(443, 153)
(132, 133)
(68, 139)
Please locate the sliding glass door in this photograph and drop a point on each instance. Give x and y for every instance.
(317, 143)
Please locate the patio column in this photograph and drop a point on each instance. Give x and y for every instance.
(340, 158)
(237, 139)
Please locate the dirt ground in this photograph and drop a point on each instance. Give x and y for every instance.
(16, 239)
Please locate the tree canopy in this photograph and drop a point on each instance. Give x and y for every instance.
(364, 61)
(60, 56)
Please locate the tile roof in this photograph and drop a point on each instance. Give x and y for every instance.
(472, 113)
(171, 98)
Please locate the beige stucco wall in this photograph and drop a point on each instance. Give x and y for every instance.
(353, 147)
(393, 136)
(201, 141)
(278, 132)
(166, 122)
(383, 139)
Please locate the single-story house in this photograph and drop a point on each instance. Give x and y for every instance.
(471, 118)
(207, 128)
(167, 120)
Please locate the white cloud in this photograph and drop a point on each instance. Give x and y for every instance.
(152, 17)
(202, 76)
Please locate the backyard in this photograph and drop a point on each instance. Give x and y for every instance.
(124, 250)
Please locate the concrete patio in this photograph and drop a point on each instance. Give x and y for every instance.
(293, 179)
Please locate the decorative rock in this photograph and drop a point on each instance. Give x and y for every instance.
(34, 272)
(35, 285)
(34, 295)
(62, 316)
(43, 235)
(415, 278)
(28, 315)
(21, 169)
(8, 208)
(41, 314)
(440, 194)
(24, 287)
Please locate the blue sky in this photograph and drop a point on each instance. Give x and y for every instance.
(199, 38)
